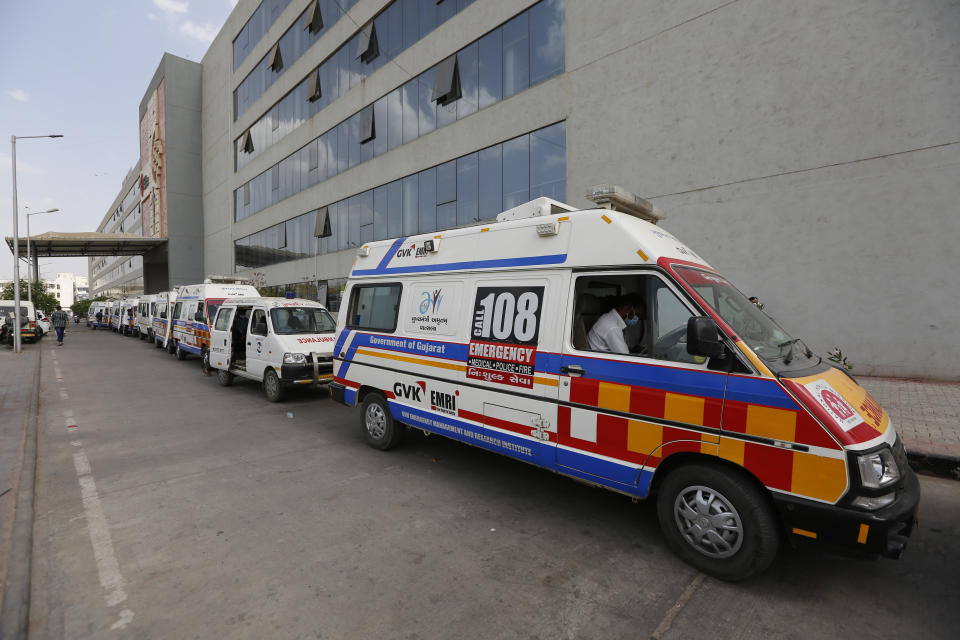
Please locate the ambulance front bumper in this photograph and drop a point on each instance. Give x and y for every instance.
(850, 531)
(295, 374)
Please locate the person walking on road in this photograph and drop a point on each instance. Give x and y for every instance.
(99, 319)
(59, 319)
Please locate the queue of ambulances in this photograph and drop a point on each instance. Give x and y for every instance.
(128, 319)
(159, 324)
(745, 437)
(279, 342)
(195, 305)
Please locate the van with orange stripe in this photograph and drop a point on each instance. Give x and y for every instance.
(595, 344)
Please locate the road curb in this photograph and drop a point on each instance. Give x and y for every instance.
(14, 614)
(935, 463)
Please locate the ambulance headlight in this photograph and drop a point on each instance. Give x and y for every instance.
(878, 469)
(294, 358)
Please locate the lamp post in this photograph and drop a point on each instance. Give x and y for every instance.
(33, 275)
(16, 244)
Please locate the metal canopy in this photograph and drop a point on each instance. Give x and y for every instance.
(67, 245)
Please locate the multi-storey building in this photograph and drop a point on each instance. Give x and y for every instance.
(804, 149)
(68, 288)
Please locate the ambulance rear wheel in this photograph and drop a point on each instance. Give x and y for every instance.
(181, 354)
(224, 378)
(272, 387)
(717, 521)
(379, 427)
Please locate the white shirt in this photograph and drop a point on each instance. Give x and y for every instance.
(607, 334)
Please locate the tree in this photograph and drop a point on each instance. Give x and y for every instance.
(41, 299)
(81, 307)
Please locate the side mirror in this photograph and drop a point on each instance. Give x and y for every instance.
(163, 314)
(703, 337)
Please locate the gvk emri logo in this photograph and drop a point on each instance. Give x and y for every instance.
(410, 391)
(431, 301)
(413, 251)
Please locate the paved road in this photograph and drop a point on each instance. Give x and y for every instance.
(175, 508)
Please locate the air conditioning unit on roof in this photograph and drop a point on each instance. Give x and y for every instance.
(535, 208)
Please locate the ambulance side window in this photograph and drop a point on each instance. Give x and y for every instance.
(176, 310)
(656, 322)
(374, 307)
(258, 324)
(223, 319)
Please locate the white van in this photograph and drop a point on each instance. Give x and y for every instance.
(597, 345)
(280, 342)
(29, 332)
(144, 320)
(127, 318)
(196, 304)
(159, 325)
(104, 309)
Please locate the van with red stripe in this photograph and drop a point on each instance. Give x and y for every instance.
(595, 344)
(196, 305)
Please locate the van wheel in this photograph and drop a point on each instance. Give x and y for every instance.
(181, 354)
(379, 427)
(717, 521)
(224, 378)
(272, 387)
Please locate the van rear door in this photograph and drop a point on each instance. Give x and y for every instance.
(221, 337)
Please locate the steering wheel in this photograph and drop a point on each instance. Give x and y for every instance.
(673, 345)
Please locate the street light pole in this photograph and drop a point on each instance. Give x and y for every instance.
(16, 244)
(33, 273)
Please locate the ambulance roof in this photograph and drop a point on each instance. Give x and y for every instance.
(569, 239)
(275, 302)
(210, 290)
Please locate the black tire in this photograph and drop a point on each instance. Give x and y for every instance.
(272, 387)
(224, 378)
(728, 502)
(181, 354)
(379, 428)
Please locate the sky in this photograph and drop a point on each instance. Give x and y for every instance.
(80, 69)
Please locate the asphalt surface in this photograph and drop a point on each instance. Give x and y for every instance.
(170, 507)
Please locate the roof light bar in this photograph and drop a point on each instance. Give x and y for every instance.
(616, 198)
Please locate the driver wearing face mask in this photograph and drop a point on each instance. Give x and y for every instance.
(607, 332)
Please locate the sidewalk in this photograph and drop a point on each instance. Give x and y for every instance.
(926, 415)
(19, 399)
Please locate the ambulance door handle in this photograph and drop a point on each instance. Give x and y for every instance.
(572, 370)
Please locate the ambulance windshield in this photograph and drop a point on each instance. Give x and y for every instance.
(290, 320)
(758, 330)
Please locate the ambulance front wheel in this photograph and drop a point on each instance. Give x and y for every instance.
(272, 387)
(379, 427)
(224, 378)
(717, 521)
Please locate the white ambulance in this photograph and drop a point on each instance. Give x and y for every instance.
(103, 308)
(196, 304)
(597, 345)
(142, 328)
(127, 317)
(279, 342)
(159, 324)
(114, 309)
(29, 331)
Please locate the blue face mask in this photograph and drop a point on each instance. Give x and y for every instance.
(632, 320)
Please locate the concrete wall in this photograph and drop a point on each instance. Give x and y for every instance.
(810, 151)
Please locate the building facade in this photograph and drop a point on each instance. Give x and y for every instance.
(120, 276)
(808, 151)
(68, 288)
